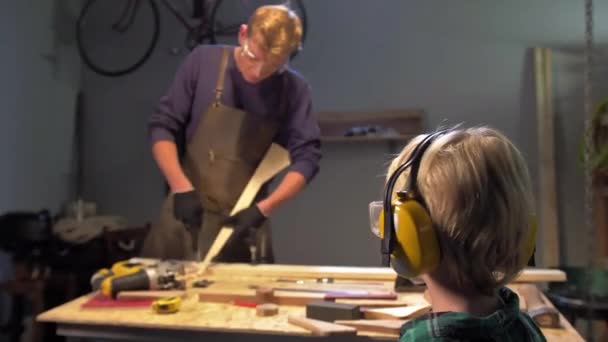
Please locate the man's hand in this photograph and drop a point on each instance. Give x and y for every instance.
(246, 221)
(187, 208)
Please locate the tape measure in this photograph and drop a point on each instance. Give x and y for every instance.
(167, 305)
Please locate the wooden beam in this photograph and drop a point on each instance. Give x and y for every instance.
(548, 219)
(384, 274)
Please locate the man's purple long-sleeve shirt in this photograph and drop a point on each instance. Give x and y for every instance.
(193, 90)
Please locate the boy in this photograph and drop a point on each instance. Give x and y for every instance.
(475, 188)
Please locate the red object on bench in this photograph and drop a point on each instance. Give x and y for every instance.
(100, 301)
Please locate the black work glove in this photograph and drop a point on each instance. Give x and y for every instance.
(187, 208)
(245, 223)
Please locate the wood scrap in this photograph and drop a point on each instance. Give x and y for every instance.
(264, 295)
(540, 275)
(321, 328)
(547, 188)
(330, 311)
(384, 326)
(267, 309)
(400, 312)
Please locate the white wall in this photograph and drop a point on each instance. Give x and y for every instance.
(460, 60)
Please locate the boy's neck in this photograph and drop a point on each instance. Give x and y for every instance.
(447, 298)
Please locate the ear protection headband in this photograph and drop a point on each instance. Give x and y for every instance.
(409, 242)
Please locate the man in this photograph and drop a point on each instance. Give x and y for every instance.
(232, 103)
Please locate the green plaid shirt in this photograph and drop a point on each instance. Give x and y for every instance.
(505, 325)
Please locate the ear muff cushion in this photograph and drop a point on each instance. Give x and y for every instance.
(417, 249)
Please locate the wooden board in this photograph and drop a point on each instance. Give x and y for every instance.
(320, 328)
(385, 326)
(275, 160)
(547, 195)
(381, 274)
(281, 297)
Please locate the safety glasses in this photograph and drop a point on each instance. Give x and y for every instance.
(375, 217)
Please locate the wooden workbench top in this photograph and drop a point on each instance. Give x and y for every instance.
(194, 316)
(226, 317)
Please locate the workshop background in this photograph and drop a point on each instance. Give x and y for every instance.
(460, 61)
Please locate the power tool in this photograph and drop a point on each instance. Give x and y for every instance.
(130, 276)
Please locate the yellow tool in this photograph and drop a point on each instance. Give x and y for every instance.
(129, 276)
(120, 268)
(167, 305)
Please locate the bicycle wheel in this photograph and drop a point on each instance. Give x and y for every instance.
(227, 16)
(109, 35)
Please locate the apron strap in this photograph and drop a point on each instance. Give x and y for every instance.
(219, 87)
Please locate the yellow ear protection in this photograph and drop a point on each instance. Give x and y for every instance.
(409, 242)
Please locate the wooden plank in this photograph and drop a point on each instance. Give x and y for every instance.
(320, 328)
(381, 274)
(304, 271)
(227, 295)
(540, 275)
(386, 326)
(548, 219)
(275, 160)
(375, 303)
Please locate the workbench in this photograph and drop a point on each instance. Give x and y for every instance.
(224, 321)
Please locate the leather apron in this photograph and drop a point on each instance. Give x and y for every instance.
(227, 146)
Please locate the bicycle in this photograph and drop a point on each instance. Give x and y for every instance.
(210, 22)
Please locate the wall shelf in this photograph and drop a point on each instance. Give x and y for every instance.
(406, 122)
(401, 137)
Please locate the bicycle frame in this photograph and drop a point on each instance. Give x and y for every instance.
(167, 4)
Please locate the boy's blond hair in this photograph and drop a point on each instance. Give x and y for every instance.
(279, 28)
(476, 186)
